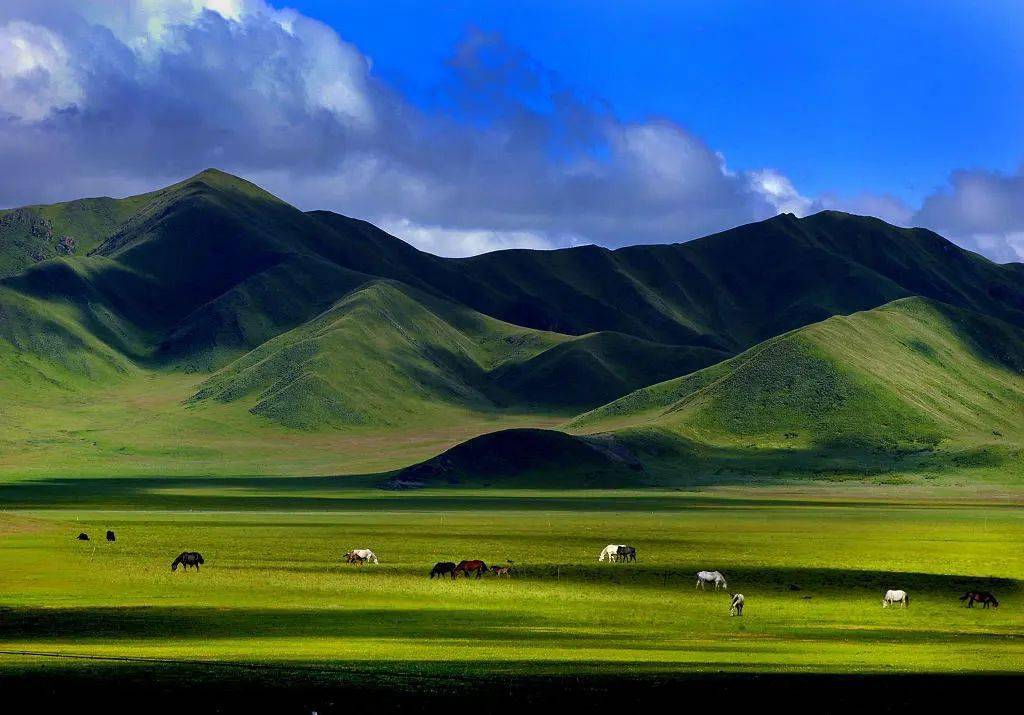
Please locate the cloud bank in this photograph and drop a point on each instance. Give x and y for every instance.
(119, 96)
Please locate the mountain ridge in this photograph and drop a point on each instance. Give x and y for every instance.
(317, 322)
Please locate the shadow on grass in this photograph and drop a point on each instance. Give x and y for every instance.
(75, 625)
(487, 686)
(807, 580)
(313, 494)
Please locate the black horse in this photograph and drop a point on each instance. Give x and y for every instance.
(83, 537)
(110, 536)
(186, 559)
(441, 568)
(627, 553)
(985, 598)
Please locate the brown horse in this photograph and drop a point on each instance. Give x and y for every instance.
(441, 568)
(985, 598)
(467, 567)
(502, 570)
(354, 558)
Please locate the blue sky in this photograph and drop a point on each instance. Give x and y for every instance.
(884, 97)
(471, 126)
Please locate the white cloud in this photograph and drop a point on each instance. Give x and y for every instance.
(981, 210)
(455, 243)
(35, 73)
(780, 192)
(112, 96)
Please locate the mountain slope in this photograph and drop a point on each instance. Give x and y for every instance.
(595, 368)
(42, 348)
(727, 291)
(205, 269)
(387, 354)
(915, 387)
(382, 355)
(190, 246)
(913, 371)
(248, 312)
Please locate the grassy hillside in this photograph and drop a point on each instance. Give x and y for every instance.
(914, 389)
(383, 355)
(33, 234)
(728, 291)
(44, 349)
(911, 372)
(212, 311)
(593, 369)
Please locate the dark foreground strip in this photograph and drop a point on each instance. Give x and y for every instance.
(113, 684)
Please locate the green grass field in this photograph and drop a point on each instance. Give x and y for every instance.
(275, 592)
(208, 368)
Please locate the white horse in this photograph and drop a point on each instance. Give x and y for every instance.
(713, 577)
(611, 552)
(362, 555)
(893, 597)
(736, 607)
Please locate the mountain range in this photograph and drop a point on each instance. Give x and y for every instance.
(210, 327)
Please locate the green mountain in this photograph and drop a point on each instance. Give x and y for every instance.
(912, 375)
(217, 313)
(727, 291)
(384, 354)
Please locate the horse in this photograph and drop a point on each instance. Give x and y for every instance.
(892, 597)
(736, 606)
(610, 552)
(110, 536)
(364, 554)
(627, 553)
(186, 559)
(985, 598)
(82, 537)
(353, 559)
(502, 570)
(713, 577)
(471, 566)
(441, 568)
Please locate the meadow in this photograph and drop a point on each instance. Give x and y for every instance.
(274, 592)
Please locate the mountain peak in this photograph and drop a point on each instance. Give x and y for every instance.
(219, 180)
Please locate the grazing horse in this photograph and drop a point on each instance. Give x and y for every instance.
(715, 578)
(736, 607)
(83, 537)
(985, 598)
(502, 570)
(361, 556)
(897, 596)
(467, 567)
(441, 568)
(627, 553)
(610, 552)
(186, 559)
(110, 536)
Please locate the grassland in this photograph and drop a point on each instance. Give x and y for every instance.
(228, 374)
(274, 594)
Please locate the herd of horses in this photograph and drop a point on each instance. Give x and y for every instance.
(613, 553)
(467, 567)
